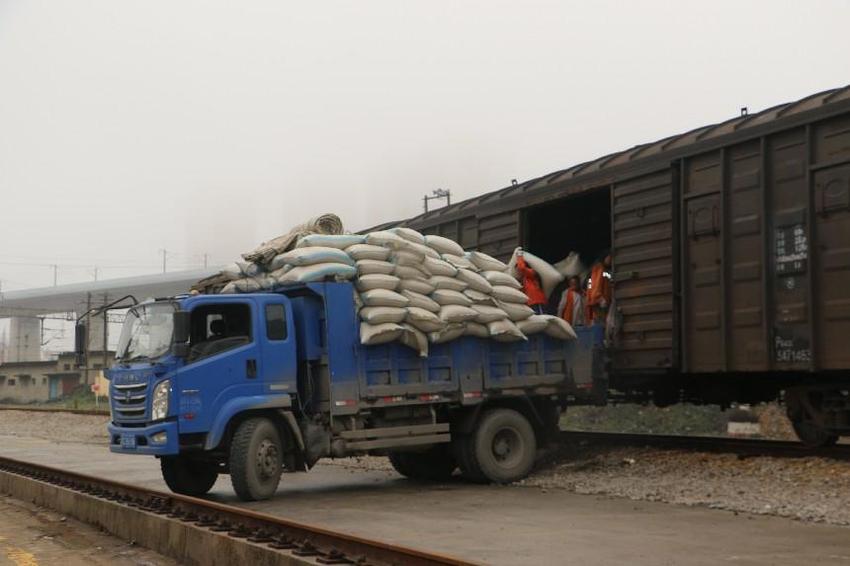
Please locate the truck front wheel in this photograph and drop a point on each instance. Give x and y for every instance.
(256, 459)
(503, 447)
(188, 476)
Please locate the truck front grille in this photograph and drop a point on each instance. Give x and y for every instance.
(129, 402)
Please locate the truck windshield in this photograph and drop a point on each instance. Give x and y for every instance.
(147, 333)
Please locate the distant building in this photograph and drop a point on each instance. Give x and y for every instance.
(35, 381)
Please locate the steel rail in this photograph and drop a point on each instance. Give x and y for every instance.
(302, 540)
(97, 412)
(741, 446)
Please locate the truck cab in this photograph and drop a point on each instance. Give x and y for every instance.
(255, 384)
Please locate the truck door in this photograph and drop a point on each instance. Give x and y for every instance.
(223, 361)
(279, 359)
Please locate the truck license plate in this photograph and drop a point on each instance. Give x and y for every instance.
(128, 441)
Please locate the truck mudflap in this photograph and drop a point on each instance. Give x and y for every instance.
(160, 439)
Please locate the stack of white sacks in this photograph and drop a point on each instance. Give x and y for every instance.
(412, 288)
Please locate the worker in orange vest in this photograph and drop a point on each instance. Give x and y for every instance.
(599, 291)
(530, 283)
(571, 307)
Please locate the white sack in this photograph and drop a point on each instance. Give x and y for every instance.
(516, 311)
(367, 266)
(533, 324)
(312, 256)
(559, 328)
(417, 285)
(339, 241)
(249, 269)
(487, 313)
(501, 278)
(377, 281)
(420, 249)
(406, 258)
(379, 333)
(477, 330)
(474, 281)
(444, 282)
(406, 272)
(509, 294)
(420, 301)
(383, 298)
(232, 271)
(439, 267)
(278, 274)
(570, 266)
(367, 251)
(449, 333)
(460, 262)
(486, 262)
(480, 298)
(424, 320)
(505, 331)
(277, 262)
(457, 313)
(414, 338)
(408, 234)
(549, 276)
(381, 315)
(229, 289)
(449, 297)
(385, 238)
(443, 245)
(318, 272)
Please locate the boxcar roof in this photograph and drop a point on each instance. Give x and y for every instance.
(739, 128)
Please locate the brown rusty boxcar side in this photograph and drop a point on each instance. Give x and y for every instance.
(731, 248)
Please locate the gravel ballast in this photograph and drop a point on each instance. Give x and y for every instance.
(807, 489)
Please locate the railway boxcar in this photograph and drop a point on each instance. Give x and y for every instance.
(731, 251)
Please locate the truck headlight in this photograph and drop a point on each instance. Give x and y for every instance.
(159, 406)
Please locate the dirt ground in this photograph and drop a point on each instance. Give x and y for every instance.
(30, 536)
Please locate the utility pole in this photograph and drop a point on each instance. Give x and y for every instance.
(164, 254)
(205, 261)
(438, 194)
(95, 272)
(55, 274)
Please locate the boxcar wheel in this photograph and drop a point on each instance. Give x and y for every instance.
(435, 464)
(504, 446)
(813, 436)
(188, 476)
(256, 459)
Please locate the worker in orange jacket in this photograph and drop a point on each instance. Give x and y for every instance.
(530, 283)
(599, 291)
(571, 306)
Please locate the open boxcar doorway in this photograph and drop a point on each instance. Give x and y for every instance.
(577, 223)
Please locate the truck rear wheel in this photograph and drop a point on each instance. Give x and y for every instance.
(188, 476)
(435, 464)
(813, 436)
(256, 459)
(503, 447)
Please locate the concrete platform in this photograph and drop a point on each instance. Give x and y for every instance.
(498, 525)
(31, 536)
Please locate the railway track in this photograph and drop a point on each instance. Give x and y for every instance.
(196, 531)
(743, 447)
(101, 412)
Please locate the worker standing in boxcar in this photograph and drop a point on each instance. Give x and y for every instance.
(599, 291)
(530, 283)
(571, 306)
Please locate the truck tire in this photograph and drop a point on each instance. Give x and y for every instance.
(435, 464)
(188, 476)
(256, 459)
(464, 452)
(503, 446)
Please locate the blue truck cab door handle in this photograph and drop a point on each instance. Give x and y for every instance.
(251, 368)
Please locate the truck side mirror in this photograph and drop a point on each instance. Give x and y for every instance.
(181, 333)
(81, 335)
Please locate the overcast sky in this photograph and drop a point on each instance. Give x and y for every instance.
(206, 127)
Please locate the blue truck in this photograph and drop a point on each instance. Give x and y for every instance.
(254, 385)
